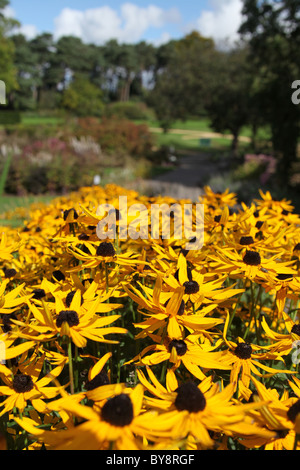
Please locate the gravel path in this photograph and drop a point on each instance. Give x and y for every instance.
(187, 179)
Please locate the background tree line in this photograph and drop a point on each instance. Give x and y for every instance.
(248, 84)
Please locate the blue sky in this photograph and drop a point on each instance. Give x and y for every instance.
(128, 20)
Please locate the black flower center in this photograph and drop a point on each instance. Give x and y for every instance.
(9, 273)
(179, 345)
(83, 237)
(243, 351)
(38, 294)
(181, 308)
(70, 297)
(246, 240)
(191, 287)
(284, 277)
(106, 249)
(58, 275)
(190, 398)
(296, 329)
(118, 411)
(22, 383)
(252, 258)
(293, 411)
(69, 316)
(99, 380)
(7, 322)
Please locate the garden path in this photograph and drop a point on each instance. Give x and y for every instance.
(187, 179)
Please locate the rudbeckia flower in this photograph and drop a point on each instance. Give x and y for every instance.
(198, 410)
(200, 288)
(6, 250)
(166, 308)
(249, 263)
(25, 385)
(284, 286)
(11, 300)
(121, 424)
(245, 360)
(78, 321)
(189, 352)
(282, 342)
(279, 414)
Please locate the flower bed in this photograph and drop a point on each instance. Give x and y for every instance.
(143, 344)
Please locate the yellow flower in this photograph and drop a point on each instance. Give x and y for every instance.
(77, 320)
(278, 415)
(10, 301)
(121, 423)
(248, 263)
(6, 251)
(196, 411)
(25, 385)
(189, 352)
(245, 360)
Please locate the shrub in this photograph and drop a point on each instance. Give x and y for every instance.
(118, 136)
(128, 110)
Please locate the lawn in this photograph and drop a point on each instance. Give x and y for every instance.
(9, 203)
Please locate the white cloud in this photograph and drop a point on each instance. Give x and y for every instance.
(163, 39)
(30, 31)
(101, 24)
(8, 12)
(223, 21)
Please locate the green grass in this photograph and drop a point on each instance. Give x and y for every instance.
(40, 120)
(10, 203)
(178, 142)
(201, 125)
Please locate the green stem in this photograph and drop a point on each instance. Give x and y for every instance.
(71, 371)
(234, 311)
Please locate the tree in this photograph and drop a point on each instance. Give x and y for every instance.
(7, 50)
(43, 48)
(26, 63)
(273, 31)
(83, 98)
(228, 99)
(181, 80)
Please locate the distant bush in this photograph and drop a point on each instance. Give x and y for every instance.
(75, 154)
(129, 110)
(119, 136)
(52, 165)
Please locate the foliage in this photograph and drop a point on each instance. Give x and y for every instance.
(58, 159)
(272, 29)
(118, 136)
(228, 101)
(180, 85)
(129, 110)
(82, 98)
(7, 50)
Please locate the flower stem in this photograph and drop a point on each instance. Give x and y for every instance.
(71, 372)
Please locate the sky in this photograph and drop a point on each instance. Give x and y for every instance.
(154, 21)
